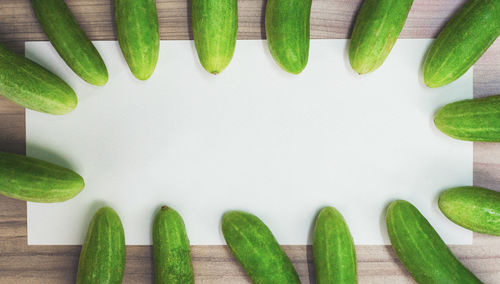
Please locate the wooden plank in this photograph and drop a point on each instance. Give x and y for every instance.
(20, 263)
(329, 19)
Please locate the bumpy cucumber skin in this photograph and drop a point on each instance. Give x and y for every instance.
(31, 86)
(375, 32)
(256, 249)
(215, 26)
(138, 35)
(102, 259)
(172, 256)
(462, 41)
(474, 208)
(420, 249)
(287, 32)
(333, 249)
(35, 180)
(70, 40)
(472, 120)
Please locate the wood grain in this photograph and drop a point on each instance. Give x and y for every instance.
(20, 263)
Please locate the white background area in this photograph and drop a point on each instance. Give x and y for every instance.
(253, 138)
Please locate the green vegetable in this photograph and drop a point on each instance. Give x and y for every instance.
(473, 120)
(138, 35)
(333, 249)
(32, 86)
(287, 31)
(420, 249)
(474, 208)
(376, 30)
(34, 180)
(256, 249)
(70, 40)
(215, 25)
(463, 40)
(172, 258)
(102, 259)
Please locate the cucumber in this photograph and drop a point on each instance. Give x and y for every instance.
(35, 180)
(420, 249)
(463, 40)
(333, 249)
(287, 32)
(472, 120)
(256, 249)
(215, 25)
(31, 86)
(138, 35)
(172, 257)
(102, 259)
(375, 32)
(474, 208)
(70, 40)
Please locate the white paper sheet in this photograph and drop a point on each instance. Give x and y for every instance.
(252, 138)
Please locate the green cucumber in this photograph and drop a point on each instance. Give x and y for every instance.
(287, 32)
(472, 120)
(35, 180)
(138, 35)
(31, 86)
(255, 248)
(172, 257)
(377, 27)
(102, 259)
(333, 249)
(70, 40)
(215, 25)
(474, 208)
(463, 40)
(420, 249)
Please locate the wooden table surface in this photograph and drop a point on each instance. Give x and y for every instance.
(20, 263)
